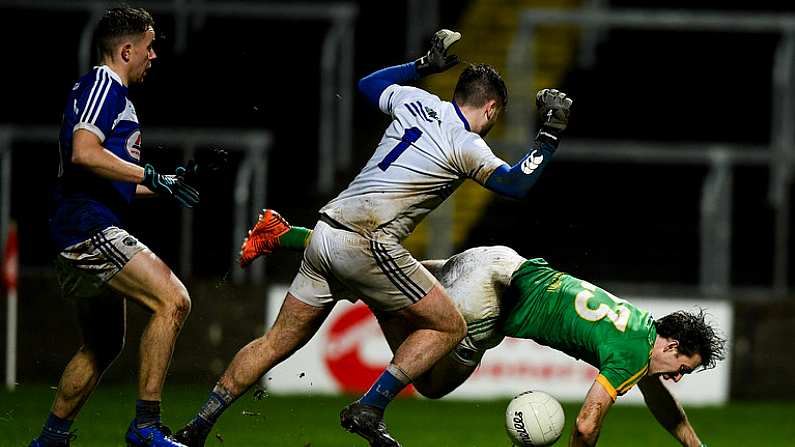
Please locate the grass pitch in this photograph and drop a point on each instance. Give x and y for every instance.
(306, 421)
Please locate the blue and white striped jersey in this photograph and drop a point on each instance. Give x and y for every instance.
(85, 202)
(425, 154)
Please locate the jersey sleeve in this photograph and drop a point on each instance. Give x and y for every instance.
(622, 370)
(98, 106)
(473, 158)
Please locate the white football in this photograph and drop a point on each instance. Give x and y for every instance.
(534, 418)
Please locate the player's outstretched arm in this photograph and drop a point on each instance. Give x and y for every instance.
(173, 186)
(436, 60)
(88, 152)
(515, 181)
(665, 408)
(192, 174)
(589, 421)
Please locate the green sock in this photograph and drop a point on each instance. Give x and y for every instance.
(295, 239)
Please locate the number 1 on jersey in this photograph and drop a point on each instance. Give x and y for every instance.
(411, 135)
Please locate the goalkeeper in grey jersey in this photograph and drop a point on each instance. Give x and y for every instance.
(430, 148)
(500, 293)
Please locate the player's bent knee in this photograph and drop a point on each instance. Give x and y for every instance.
(452, 321)
(459, 327)
(454, 327)
(586, 429)
(182, 307)
(178, 305)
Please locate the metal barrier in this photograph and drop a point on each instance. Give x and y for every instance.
(250, 180)
(716, 201)
(336, 77)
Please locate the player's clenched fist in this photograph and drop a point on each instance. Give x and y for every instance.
(436, 60)
(553, 108)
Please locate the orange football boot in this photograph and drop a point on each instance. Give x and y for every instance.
(264, 237)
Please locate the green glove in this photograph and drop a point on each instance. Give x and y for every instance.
(173, 186)
(436, 60)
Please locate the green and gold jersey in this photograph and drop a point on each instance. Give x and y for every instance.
(582, 320)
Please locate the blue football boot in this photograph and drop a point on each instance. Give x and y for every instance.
(65, 443)
(156, 435)
(37, 443)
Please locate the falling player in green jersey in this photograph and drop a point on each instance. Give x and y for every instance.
(499, 294)
(624, 342)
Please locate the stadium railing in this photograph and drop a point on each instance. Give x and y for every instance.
(716, 202)
(250, 187)
(335, 133)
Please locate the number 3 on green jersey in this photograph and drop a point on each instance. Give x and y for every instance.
(593, 305)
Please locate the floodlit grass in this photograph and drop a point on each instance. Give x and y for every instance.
(313, 421)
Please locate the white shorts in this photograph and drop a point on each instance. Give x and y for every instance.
(476, 281)
(85, 267)
(341, 264)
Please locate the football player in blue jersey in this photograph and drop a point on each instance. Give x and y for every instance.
(99, 264)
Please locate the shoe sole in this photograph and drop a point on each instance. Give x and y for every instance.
(129, 444)
(146, 443)
(189, 443)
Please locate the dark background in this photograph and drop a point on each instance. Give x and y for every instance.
(603, 221)
(609, 222)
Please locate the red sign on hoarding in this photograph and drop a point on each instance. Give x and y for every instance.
(348, 334)
(11, 258)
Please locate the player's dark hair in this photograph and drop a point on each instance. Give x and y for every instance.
(117, 23)
(478, 84)
(694, 335)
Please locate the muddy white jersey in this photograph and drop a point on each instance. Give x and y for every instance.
(425, 153)
(476, 279)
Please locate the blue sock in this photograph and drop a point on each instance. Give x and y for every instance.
(56, 430)
(218, 401)
(388, 385)
(147, 413)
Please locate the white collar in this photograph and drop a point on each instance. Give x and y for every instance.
(112, 73)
